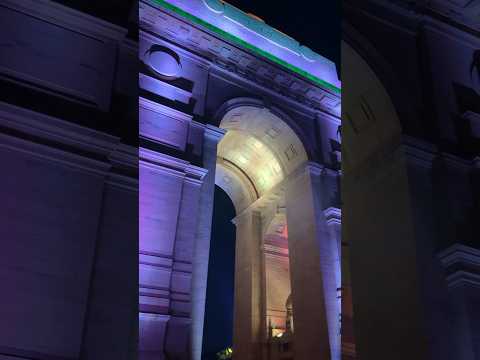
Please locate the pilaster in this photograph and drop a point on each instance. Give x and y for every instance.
(462, 275)
(248, 293)
(211, 137)
(313, 265)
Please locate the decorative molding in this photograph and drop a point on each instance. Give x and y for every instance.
(249, 32)
(157, 107)
(462, 264)
(195, 174)
(125, 157)
(237, 60)
(333, 215)
(466, 12)
(163, 124)
(56, 140)
(214, 133)
(55, 130)
(168, 164)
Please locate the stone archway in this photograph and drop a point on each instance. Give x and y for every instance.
(377, 221)
(263, 165)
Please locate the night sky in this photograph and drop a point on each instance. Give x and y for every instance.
(315, 24)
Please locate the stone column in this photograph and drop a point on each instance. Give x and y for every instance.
(313, 268)
(333, 217)
(462, 265)
(378, 225)
(211, 138)
(247, 306)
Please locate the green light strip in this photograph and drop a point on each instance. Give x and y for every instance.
(247, 45)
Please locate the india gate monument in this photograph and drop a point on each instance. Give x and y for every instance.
(226, 100)
(186, 180)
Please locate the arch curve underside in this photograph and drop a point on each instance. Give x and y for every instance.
(257, 153)
(370, 121)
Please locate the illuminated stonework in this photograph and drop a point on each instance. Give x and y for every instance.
(276, 158)
(261, 146)
(253, 33)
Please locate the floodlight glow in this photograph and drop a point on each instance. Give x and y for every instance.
(239, 28)
(242, 159)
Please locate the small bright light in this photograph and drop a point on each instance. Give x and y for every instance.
(242, 159)
(257, 144)
(276, 167)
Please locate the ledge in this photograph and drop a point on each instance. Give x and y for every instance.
(462, 264)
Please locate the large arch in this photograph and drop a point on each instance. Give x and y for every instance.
(263, 165)
(394, 86)
(377, 218)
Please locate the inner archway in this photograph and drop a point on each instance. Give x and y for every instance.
(255, 158)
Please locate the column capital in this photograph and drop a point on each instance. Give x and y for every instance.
(195, 174)
(214, 133)
(244, 215)
(312, 168)
(171, 165)
(462, 264)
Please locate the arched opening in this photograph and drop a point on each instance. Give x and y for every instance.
(254, 160)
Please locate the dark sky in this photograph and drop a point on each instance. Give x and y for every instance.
(314, 23)
(218, 330)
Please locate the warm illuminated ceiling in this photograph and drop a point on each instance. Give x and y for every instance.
(258, 151)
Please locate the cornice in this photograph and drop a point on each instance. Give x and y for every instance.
(451, 16)
(237, 61)
(56, 133)
(214, 133)
(467, 14)
(125, 156)
(173, 166)
(250, 32)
